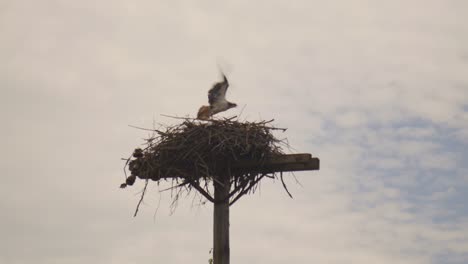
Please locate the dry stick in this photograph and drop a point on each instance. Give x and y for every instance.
(226, 138)
(218, 181)
(141, 128)
(237, 189)
(157, 208)
(177, 186)
(277, 128)
(124, 168)
(246, 190)
(284, 184)
(190, 118)
(203, 192)
(178, 117)
(175, 201)
(223, 120)
(297, 181)
(147, 129)
(205, 166)
(141, 198)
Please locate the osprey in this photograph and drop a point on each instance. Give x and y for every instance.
(217, 100)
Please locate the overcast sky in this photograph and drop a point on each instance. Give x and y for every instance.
(378, 90)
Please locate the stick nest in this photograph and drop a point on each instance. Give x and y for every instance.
(194, 153)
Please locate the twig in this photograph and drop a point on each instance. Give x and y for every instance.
(295, 178)
(284, 184)
(202, 192)
(141, 198)
(192, 151)
(141, 128)
(173, 187)
(178, 117)
(157, 208)
(252, 184)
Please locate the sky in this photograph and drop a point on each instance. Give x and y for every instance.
(378, 90)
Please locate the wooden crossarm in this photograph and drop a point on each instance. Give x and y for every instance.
(281, 163)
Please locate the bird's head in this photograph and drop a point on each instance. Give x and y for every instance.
(231, 105)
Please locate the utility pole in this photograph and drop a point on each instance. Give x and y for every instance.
(221, 221)
(222, 187)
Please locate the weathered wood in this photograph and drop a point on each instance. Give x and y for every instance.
(312, 164)
(281, 159)
(221, 249)
(282, 163)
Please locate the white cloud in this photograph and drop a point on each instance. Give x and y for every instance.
(370, 87)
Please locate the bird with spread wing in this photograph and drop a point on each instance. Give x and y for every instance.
(217, 100)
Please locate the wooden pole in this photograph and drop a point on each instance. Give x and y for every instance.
(221, 221)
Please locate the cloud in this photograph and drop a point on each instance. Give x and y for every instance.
(377, 90)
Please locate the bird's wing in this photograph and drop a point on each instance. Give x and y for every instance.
(218, 92)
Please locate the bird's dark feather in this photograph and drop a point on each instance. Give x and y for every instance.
(218, 91)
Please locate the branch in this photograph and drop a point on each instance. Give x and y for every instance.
(238, 188)
(252, 184)
(141, 198)
(284, 185)
(203, 192)
(178, 117)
